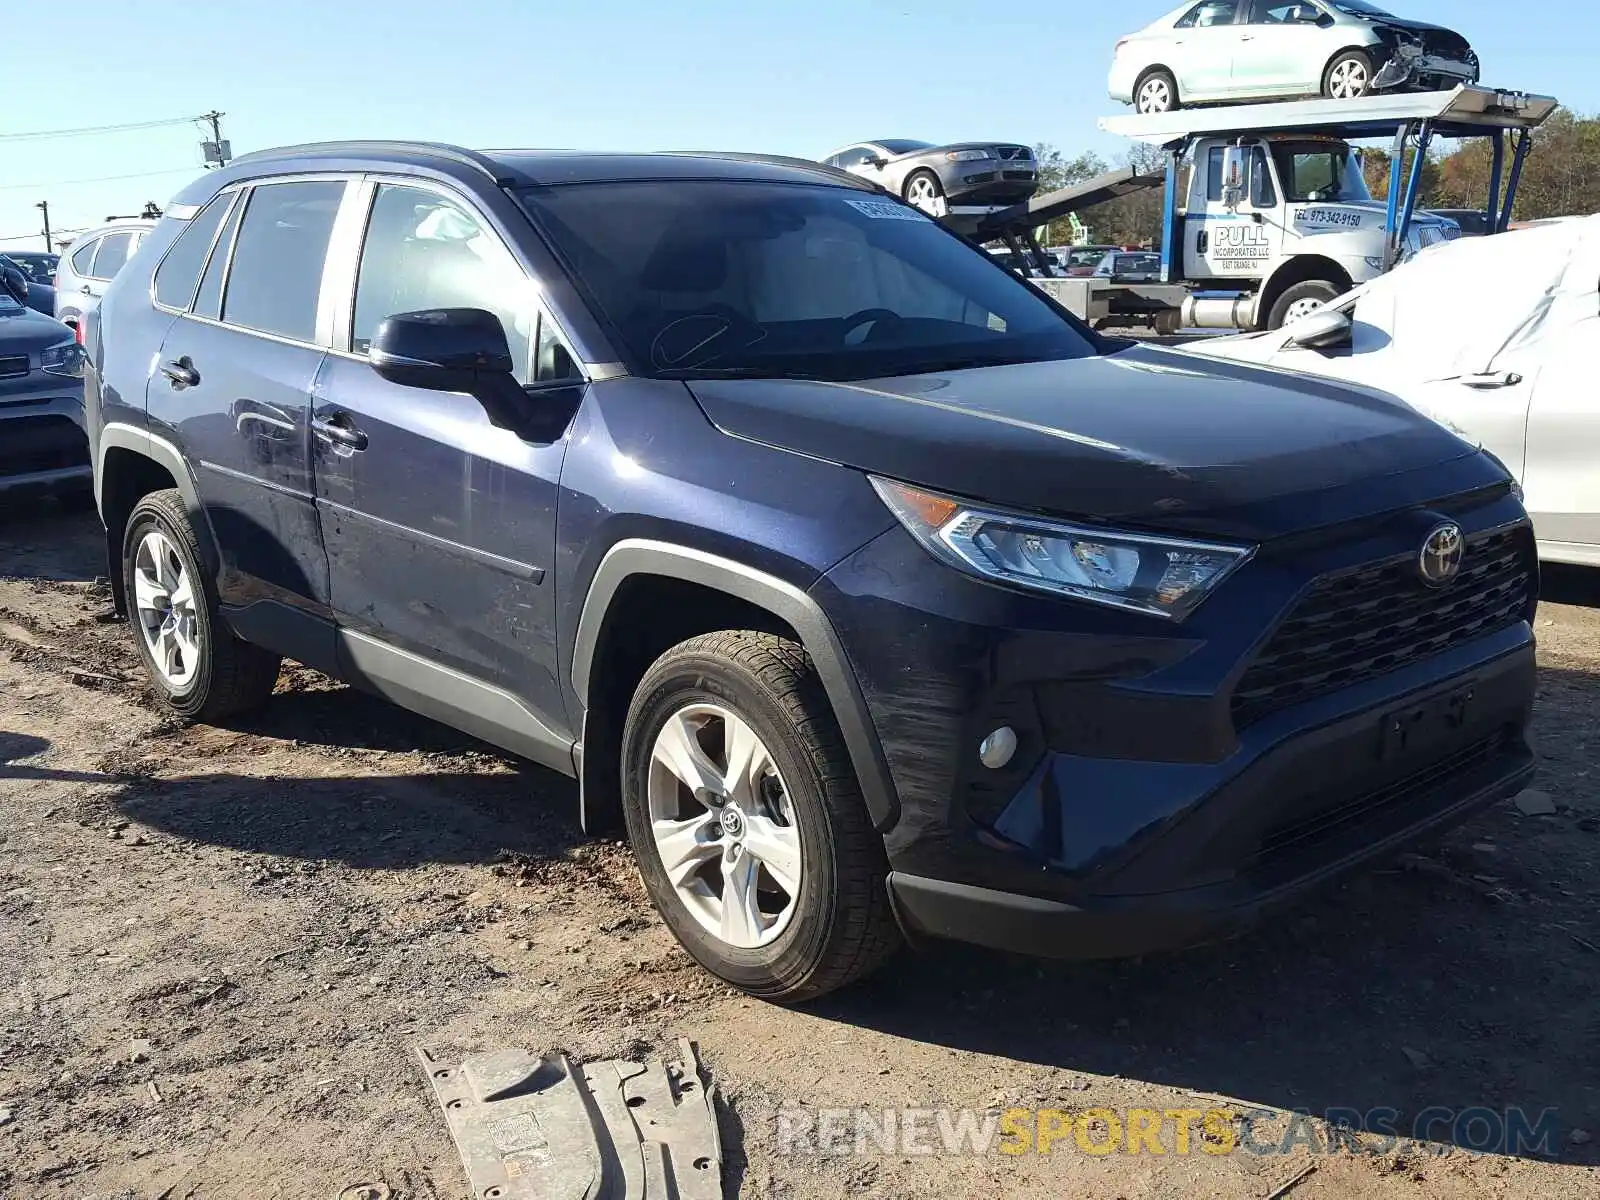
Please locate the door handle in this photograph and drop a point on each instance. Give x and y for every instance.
(1492, 380)
(1202, 242)
(86, 290)
(180, 373)
(1247, 37)
(337, 429)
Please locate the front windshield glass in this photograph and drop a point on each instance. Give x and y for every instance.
(732, 278)
(1320, 173)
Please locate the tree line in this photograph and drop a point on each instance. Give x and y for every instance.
(1561, 178)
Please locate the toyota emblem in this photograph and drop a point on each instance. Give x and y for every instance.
(1442, 550)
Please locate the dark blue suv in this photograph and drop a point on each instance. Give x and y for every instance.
(872, 593)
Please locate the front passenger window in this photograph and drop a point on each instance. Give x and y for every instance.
(423, 250)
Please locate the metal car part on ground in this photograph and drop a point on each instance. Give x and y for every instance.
(540, 1127)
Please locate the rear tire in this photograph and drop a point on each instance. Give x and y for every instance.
(821, 919)
(1349, 76)
(1156, 92)
(198, 669)
(1300, 300)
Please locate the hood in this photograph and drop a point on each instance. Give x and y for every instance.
(27, 332)
(939, 150)
(1144, 438)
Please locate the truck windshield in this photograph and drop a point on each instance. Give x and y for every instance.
(1320, 172)
(709, 278)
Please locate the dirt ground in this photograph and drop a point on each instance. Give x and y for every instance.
(218, 948)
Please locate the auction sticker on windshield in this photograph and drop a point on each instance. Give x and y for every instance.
(886, 210)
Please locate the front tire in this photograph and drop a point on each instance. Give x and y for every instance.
(1301, 300)
(747, 821)
(198, 669)
(923, 190)
(1156, 92)
(1349, 76)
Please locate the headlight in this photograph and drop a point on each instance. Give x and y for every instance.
(1164, 577)
(66, 359)
(966, 155)
(1375, 263)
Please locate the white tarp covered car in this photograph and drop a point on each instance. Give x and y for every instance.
(1498, 338)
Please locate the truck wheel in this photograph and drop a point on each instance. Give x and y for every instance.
(1301, 300)
(747, 821)
(1157, 92)
(923, 190)
(1349, 76)
(200, 670)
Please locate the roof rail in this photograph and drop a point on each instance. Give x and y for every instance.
(440, 150)
(782, 160)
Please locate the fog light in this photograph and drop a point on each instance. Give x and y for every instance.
(996, 750)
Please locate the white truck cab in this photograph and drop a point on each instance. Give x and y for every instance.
(1288, 217)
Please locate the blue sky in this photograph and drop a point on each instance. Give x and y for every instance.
(783, 76)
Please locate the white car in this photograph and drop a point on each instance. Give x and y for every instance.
(1497, 338)
(1274, 49)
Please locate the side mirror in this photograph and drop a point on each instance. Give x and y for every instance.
(1321, 330)
(453, 350)
(1233, 159)
(15, 284)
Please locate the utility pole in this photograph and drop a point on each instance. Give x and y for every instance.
(217, 152)
(44, 207)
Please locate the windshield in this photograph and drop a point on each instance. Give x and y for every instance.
(903, 145)
(716, 278)
(1358, 8)
(1320, 172)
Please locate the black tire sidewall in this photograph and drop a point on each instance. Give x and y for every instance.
(706, 679)
(148, 515)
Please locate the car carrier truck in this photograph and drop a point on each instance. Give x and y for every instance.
(1266, 213)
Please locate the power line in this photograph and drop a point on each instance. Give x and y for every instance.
(13, 187)
(86, 130)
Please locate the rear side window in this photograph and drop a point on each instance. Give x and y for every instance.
(114, 251)
(179, 272)
(278, 257)
(208, 301)
(82, 259)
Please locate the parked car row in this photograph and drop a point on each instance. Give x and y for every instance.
(43, 448)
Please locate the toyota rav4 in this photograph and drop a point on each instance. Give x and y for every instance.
(870, 592)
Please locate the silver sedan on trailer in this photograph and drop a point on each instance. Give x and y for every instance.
(1239, 50)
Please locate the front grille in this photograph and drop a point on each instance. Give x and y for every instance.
(981, 177)
(1023, 175)
(29, 444)
(1305, 831)
(13, 365)
(1359, 624)
(1013, 152)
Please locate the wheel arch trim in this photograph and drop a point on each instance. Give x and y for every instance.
(634, 557)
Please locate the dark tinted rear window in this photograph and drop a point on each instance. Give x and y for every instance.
(277, 261)
(179, 271)
(114, 251)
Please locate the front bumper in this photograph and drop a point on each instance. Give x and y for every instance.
(1424, 72)
(1143, 810)
(43, 446)
(998, 181)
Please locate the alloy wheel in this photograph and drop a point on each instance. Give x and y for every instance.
(923, 193)
(164, 601)
(1302, 308)
(724, 826)
(1155, 96)
(1348, 81)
